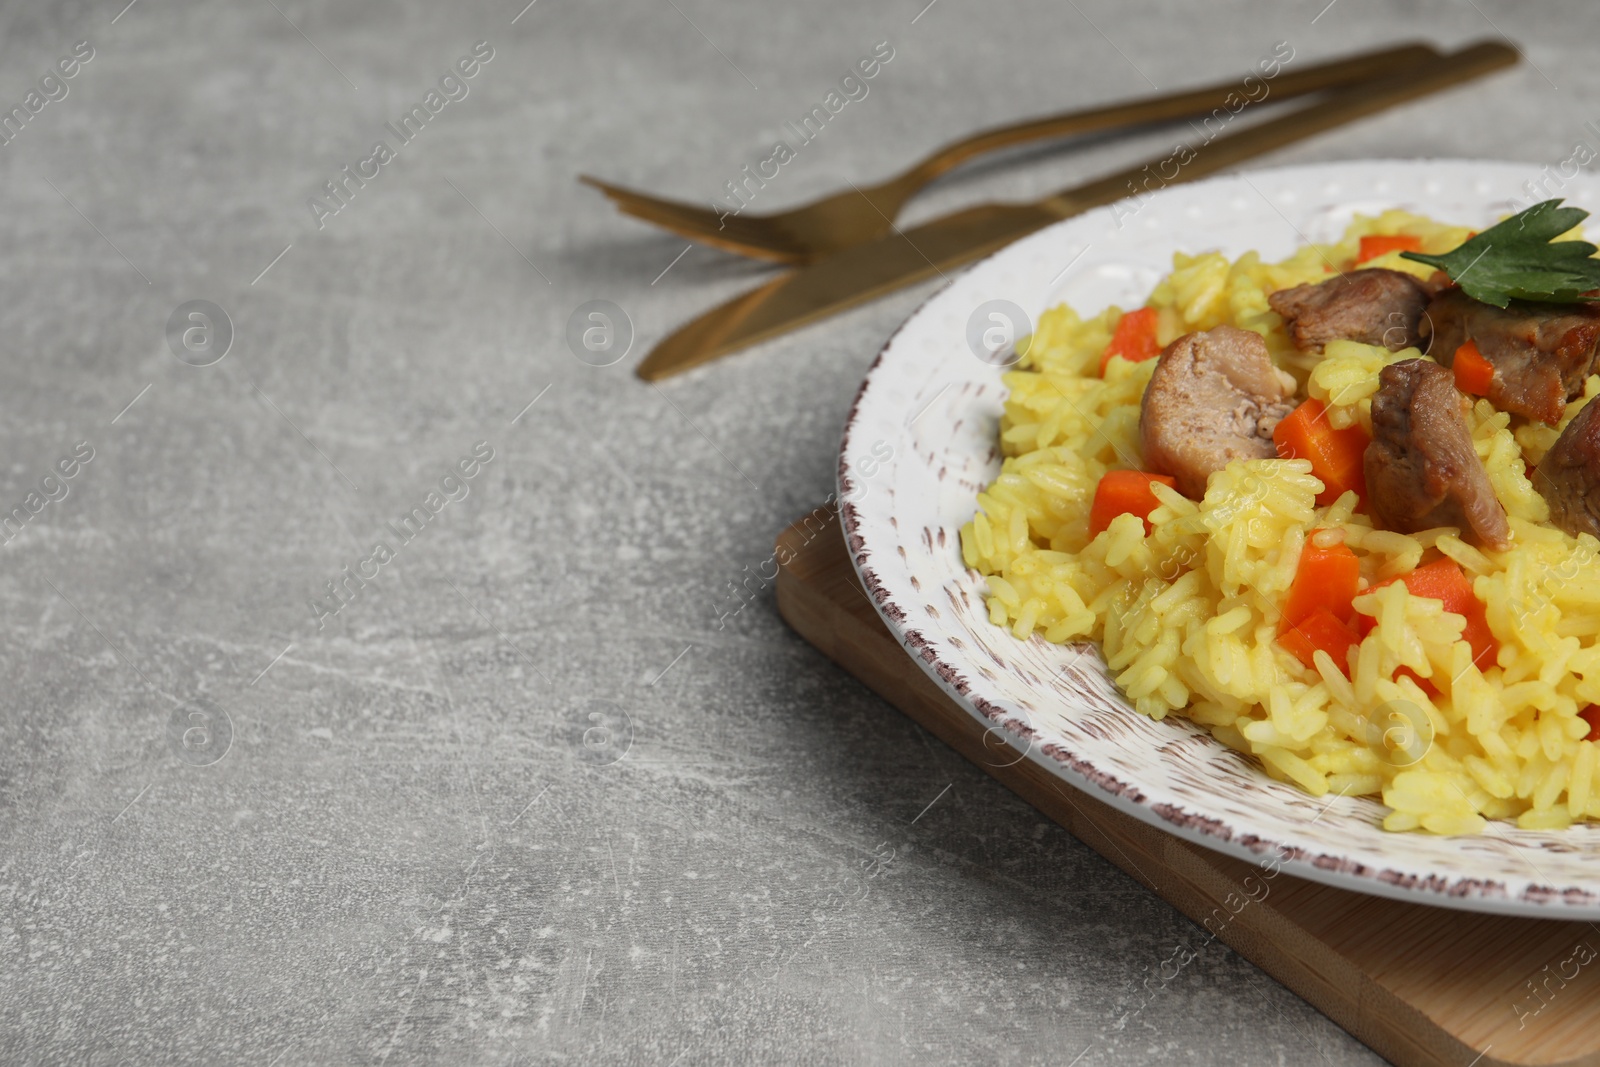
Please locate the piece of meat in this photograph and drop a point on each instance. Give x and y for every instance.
(1214, 397)
(1421, 468)
(1375, 307)
(1541, 352)
(1569, 476)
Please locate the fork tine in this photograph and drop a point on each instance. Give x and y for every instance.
(605, 186)
(645, 206)
(620, 194)
(729, 231)
(767, 243)
(643, 202)
(711, 223)
(683, 215)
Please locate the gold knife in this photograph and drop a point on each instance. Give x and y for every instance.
(867, 271)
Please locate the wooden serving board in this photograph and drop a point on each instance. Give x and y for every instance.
(1418, 984)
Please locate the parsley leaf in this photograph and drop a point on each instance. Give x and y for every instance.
(1520, 259)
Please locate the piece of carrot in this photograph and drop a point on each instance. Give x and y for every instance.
(1134, 339)
(1445, 581)
(1324, 578)
(1125, 493)
(1320, 630)
(1591, 715)
(1474, 374)
(1337, 456)
(1376, 245)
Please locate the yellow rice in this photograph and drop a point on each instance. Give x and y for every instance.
(1188, 616)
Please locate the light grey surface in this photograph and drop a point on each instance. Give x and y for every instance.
(409, 854)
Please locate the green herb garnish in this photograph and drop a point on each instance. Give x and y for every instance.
(1520, 259)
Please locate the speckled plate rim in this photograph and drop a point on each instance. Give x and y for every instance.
(1335, 842)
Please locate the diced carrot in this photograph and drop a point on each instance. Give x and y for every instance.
(1474, 374)
(1320, 630)
(1377, 245)
(1485, 648)
(1324, 578)
(1337, 456)
(1591, 715)
(1123, 493)
(1134, 339)
(1445, 581)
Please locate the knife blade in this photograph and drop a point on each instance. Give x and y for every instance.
(867, 271)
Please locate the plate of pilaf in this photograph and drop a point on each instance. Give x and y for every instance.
(1267, 510)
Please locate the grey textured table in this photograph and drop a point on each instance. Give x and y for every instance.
(532, 793)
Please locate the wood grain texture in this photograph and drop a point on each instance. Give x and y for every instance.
(1420, 985)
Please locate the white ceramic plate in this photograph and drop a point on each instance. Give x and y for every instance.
(935, 405)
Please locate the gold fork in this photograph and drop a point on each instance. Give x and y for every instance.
(864, 272)
(809, 232)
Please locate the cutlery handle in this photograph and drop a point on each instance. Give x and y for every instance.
(1337, 109)
(1285, 85)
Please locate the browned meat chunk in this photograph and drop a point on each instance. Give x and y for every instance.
(1375, 307)
(1541, 353)
(1214, 397)
(1422, 470)
(1569, 476)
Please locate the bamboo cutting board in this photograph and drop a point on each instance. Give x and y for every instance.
(1420, 985)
